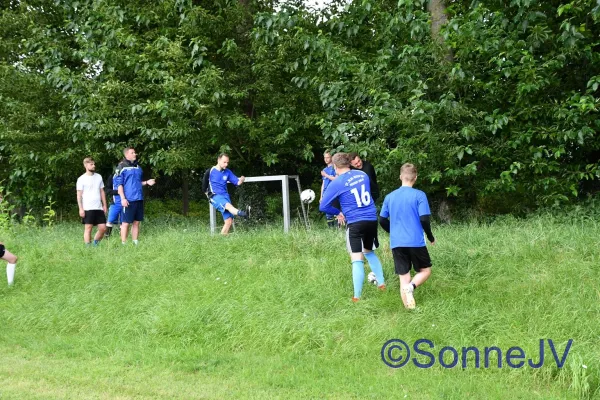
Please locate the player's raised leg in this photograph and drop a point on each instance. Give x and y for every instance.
(11, 259)
(229, 207)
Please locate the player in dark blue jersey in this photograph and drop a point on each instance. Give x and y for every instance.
(214, 185)
(328, 175)
(115, 209)
(11, 259)
(352, 189)
(129, 182)
(405, 215)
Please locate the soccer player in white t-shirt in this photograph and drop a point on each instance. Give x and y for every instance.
(92, 202)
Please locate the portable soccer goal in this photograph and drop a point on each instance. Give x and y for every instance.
(285, 194)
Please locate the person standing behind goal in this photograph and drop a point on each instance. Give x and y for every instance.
(405, 215)
(352, 189)
(328, 175)
(92, 202)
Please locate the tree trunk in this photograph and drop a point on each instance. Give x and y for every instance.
(185, 189)
(437, 9)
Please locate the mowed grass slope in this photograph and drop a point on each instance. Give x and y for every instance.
(262, 315)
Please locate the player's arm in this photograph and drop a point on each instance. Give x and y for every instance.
(103, 198)
(80, 203)
(120, 188)
(108, 187)
(326, 202)
(384, 223)
(322, 187)
(384, 215)
(425, 217)
(124, 201)
(426, 224)
(234, 179)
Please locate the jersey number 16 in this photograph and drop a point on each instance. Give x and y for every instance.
(365, 197)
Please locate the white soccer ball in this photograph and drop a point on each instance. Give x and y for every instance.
(307, 196)
(371, 278)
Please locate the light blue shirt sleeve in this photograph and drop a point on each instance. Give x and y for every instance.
(423, 205)
(385, 213)
(328, 197)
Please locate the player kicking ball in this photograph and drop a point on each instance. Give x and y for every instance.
(405, 215)
(214, 185)
(12, 263)
(352, 189)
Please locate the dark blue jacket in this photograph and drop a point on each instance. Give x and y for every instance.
(129, 174)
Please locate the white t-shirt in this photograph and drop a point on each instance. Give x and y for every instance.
(91, 186)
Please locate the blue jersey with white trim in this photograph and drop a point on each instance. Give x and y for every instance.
(218, 180)
(404, 207)
(352, 188)
(129, 175)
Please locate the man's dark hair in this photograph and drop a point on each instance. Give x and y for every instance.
(352, 155)
(127, 149)
(222, 155)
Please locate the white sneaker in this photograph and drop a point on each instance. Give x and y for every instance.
(407, 297)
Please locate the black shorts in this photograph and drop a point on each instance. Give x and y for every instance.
(94, 217)
(361, 235)
(2, 250)
(404, 257)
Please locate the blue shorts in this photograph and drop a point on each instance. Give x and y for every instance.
(219, 201)
(114, 212)
(133, 212)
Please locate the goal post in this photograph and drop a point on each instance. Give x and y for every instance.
(285, 194)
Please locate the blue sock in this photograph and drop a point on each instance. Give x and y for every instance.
(376, 267)
(96, 242)
(358, 277)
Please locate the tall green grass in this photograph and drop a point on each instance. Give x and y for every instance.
(260, 314)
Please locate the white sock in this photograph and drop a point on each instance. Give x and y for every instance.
(10, 273)
(135, 242)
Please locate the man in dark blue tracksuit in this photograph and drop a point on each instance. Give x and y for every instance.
(128, 180)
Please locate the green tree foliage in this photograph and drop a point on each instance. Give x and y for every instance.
(500, 103)
(515, 115)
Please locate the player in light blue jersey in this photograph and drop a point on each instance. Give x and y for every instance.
(328, 175)
(214, 186)
(405, 215)
(352, 189)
